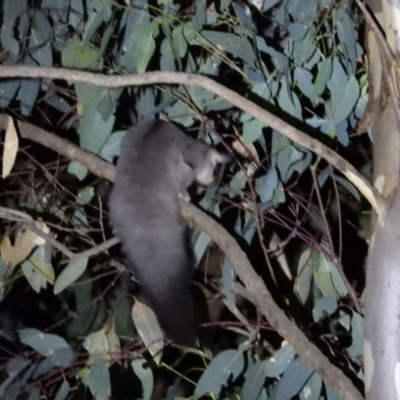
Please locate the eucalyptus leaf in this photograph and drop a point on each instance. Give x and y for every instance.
(304, 276)
(74, 168)
(7, 37)
(312, 389)
(81, 55)
(28, 91)
(94, 130)
(348, 185)
(347, 36)
(45, 344)
(70, 273)
(200, 17)
(304, 80)
(357, 334)
(226, 365)
(345, 104)
(62, 391)
(201, 244)
(254, 381)
(324, 306)
(149, 329)
(266, 185)
(252, 130)
(233, 44)
(289, 103)
(279, 361)
(179, 42)
(294, 379)
(139, 45)
(99, 381)
(8, 90)
(56, 102)
(145, 375)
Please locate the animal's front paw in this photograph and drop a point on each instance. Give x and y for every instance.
(184, 196)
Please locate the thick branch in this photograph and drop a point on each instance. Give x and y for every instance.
(96, 165)
(310, 353)
(160, 77)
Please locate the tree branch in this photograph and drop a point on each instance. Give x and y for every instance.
(159, 77)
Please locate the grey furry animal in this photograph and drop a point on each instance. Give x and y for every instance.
(158, 162)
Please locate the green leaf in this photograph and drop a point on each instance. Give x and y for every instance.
(8, 90)
(347, 101)
(324, 306)
(201, 245)
(304, 80)
(28, 92)
(81, 55)
(323, 280)
(99, 381)
(238, 181)
(103, 344)
(357, 334)
(312, 389)
(93, 130)
(347, 36)
(70, 274)
(252, 130)
(63, 391)
(266, 185)
(304, 276)
(141, 46)
(92, 24)
(324, 74)
(226, 365)
(85, 195)
(337, 280)
(254, 381)
(96, 344)
(112, 146)
(79, 218)
(348, 185)
(74, 168)
(289, 101)
(200, 17)
(179, 42)
(149, 329)
(279, 361)
(145, 376)
(45, 344)
(37, 270)
(294, 379)
(229, 42)
(287, 161)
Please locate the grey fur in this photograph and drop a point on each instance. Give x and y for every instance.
(158, 162)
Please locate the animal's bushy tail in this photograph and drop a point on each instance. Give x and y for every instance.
(172, 304)
(164, 273)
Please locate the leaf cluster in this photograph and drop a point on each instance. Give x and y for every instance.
(289, 211)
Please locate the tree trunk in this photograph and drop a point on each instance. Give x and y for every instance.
(382, 295)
